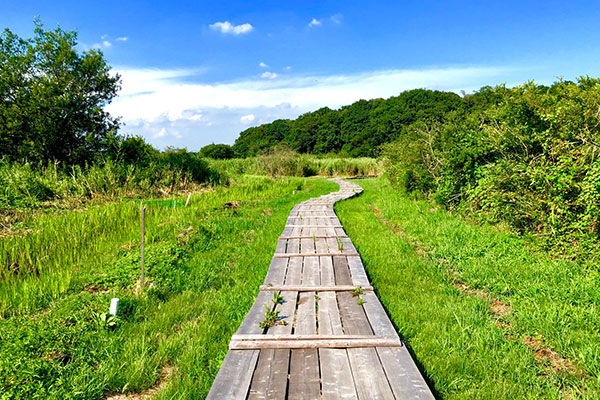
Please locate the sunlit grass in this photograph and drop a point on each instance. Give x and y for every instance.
(206, 263)
(466, 351)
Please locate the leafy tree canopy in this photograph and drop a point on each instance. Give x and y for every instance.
(357, 130)
(217, 151)
(52, 97)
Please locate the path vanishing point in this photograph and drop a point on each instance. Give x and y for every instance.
(327, 344)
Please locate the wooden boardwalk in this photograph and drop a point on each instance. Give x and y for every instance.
(326, 343)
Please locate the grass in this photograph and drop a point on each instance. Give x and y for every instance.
(294, 164)
(206, 263)
(485, 316)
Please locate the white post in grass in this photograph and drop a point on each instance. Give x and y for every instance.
(142, 246)
(114, 305)
(188, 199)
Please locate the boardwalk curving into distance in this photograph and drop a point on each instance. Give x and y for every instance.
(326, 345)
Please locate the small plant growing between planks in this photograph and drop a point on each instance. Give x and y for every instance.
(356, 293)
(272, 316)
(340, 244)
(277, 298)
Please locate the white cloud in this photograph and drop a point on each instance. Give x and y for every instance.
(162, 133)
(288, 68)
(263, 65)
(336, 18)
(195, 114)
(314, 22)
(268, 75)
(228, 27)
(246, 119)
(122, 39)
(106, 43)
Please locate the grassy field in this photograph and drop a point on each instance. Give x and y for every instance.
(206, 263)
(486, 316)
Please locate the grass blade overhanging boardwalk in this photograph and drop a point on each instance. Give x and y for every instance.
(316, 329)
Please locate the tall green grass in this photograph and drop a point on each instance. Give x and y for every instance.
(31, 186)
(280, 163)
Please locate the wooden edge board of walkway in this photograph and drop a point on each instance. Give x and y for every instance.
(312, 343)
(301, 288)
(325, 343)
(286, 255)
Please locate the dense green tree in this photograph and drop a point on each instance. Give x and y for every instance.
(217, 151)
(358, 129)
(52, 97)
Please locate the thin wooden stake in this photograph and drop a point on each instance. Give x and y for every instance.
(188, 199)
(142, 242)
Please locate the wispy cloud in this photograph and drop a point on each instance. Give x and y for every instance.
(287, 68)
(194, 114)
(246, 119)
(122, 39)
(263, 65)
(314, 22)
(228, 28)
(336, 18)
(268, 75)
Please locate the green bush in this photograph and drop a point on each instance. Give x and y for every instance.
(527, 156)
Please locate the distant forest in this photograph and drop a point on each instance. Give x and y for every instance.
(357, 130)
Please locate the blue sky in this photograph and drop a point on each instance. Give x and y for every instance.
(197, 72)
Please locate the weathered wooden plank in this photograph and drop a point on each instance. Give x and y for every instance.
(277, 271)
(293, 246)
(313, 226)
(285, 334)
(306, 319)
(313, 288)
(333, 253)
(336, 375)
(310, 273)
(234, 376)
(357, 271)
(329, 315)
(369, 376)
(403, 375)
(255, 315)
(294, 272)
(320, 245)
(307, 246)
(270, 377)
(341, 271)
(304, 380)
(380, 323)
(281, 246)
(316, 236)
(326, 269)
